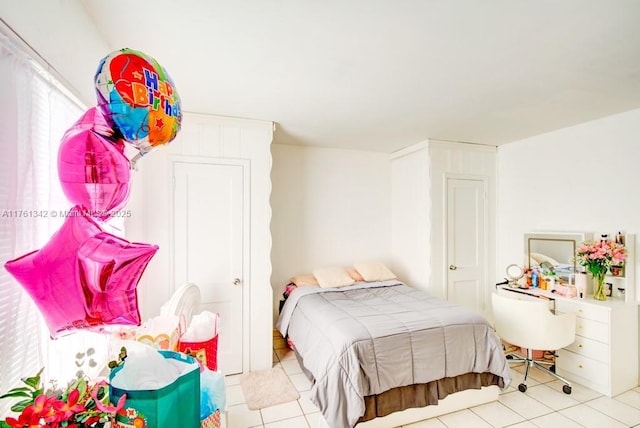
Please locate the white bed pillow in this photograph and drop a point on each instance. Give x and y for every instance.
(374, 271)
(331, 277)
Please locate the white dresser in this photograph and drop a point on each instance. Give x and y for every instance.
(604, 356)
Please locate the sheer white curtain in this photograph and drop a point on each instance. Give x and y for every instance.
(34, 115)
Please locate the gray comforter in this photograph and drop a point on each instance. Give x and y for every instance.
(367, 338)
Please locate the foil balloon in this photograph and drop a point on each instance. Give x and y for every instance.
(93, 171)
(93, 120)
(83, 278)
(137, 96)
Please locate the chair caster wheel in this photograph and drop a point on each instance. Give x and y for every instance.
(552, 369)
(566, 389)
(522, 387)
(509, 357)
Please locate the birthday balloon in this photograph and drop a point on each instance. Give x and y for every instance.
(93, 171)
(83, 278)
(137, 96)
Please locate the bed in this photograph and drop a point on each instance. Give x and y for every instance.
(374, 348)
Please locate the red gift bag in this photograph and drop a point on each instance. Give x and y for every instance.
(206, 352)
(203, 325)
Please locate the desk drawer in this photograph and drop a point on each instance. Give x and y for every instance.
(587, 368)
(590, 348)
(583, 310)
(592, 329)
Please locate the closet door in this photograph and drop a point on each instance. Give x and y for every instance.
(209, 229)
(466, 241)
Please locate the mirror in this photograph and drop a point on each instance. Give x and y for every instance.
(514, 273)
(553, 251)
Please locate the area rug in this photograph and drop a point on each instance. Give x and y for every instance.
(267, 388)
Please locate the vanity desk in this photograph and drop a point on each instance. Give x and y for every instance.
(604, 356)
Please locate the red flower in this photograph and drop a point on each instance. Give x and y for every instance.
(70, 408)
(27, 419)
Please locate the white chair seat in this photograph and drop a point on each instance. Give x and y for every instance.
(530, 324)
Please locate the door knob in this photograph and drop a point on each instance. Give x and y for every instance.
(453, 267)
(236, 281)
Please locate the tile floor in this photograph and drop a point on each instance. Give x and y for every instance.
(543, 405)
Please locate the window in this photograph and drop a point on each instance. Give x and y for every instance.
(34, 114)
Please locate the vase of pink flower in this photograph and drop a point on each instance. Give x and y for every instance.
(598, 257)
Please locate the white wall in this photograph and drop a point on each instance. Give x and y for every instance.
(63, 33)
(410, 222)
(330, 207)
(581, 178)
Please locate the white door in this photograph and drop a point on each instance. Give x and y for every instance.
(209, 218)
(466, 242)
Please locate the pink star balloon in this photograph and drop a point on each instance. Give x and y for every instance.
(83, 278)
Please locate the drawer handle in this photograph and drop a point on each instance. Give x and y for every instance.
(580, 345)
(579, 326)
(580, 310)
(580, 365)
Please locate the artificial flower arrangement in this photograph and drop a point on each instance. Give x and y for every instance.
(598, 257)
(81, 404)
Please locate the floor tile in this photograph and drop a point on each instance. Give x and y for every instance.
(428, 423)
(524, 405)
(291, 366)
(240, 416)
(535, 374)
(281, 411)
(285, 354)
(555, 420)
(316, 420)
(631, 397)
(551, 397)
(616, 409)
(525, 424)
(300, 381)
(463, 419)
(234, 395)
(232, 380)
(590, 418)
(578, 392)
(497, 414)
(517, 376)
(306, 404)
(297, 422)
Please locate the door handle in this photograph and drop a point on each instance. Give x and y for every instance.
(453, 267)
(236, 281)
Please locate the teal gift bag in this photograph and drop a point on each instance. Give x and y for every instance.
(175, 405)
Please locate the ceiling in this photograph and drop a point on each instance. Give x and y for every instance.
(380, 74)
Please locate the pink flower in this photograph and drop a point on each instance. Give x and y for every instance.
(106, 408)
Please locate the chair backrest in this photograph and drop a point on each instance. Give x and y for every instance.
(185, 303)
(530, 323)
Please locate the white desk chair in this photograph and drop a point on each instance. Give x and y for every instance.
(529, 324)
(184, 302)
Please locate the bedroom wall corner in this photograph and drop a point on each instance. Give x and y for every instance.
(410, 218)
(331, 207)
